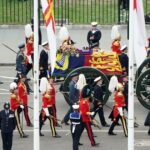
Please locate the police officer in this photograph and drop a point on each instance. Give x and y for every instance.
(73, 95)
(76, 127)
(7, 125)
(94, 36)
(98, 101)
(44, 60)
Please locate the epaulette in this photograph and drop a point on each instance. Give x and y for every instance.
(13, 96)
(47, 96)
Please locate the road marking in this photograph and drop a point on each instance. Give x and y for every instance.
(141, 143)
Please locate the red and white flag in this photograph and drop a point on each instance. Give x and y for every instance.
(48, 12)
(139, 32)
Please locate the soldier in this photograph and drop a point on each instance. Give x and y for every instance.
(53, 97)
(84, 108)
(73, 95)
(16, 106)
(98, 101)
(94, 36)
(7, 125)
(22, 91)
(47, 112)
(118, 111)
(44, 60)
(21, 62)
(116, 38)
(76, 126)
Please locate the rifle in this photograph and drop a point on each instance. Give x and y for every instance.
(9, 48)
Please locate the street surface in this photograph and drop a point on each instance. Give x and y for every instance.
(142, 140)
(15, 35)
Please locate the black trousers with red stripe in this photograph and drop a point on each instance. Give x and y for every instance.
(88, 127)
(27, 115)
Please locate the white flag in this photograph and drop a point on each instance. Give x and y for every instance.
(139, 39)
(47, 6)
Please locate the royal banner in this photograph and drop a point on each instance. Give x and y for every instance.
(107, 62)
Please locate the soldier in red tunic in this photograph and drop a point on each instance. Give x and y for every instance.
(119, 101)
(47, 112)
(22, 91)
(16, 106)
(116, 37)
(84, 108)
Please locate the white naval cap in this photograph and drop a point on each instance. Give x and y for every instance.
(75, 106)
(94, 23)
(98, 79)
(44, 43)
(123, 47)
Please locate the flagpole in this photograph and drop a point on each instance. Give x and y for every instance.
(131, 80)
(36, 140)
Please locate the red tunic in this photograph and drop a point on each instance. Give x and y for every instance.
(53, 93)
(30, 48)
(22, 91)
(47, 102)
(14, 101)
(119, 102)
(116, 47)
(84, 107)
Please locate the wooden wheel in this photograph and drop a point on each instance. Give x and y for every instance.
(90, 75)
(143, 89)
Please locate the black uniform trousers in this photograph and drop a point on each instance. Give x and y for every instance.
(43, 118)
(99, 110)
(26, 114)
(17, 116)
(124, 124)
(76, 134)
(7, 140)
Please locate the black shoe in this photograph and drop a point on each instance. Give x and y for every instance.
(41, 134)
(58, 125)
(30, 125)
(118, 124)
(67, 124)
(1, 82)
(24, 136)
(106, 125)
(111, 133)
(149, 132)
(80, 144)
(136, 125)
(57, 136)
(95, 145)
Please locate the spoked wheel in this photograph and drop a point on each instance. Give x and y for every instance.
(90, 75)
(143, 89)
(143, 67)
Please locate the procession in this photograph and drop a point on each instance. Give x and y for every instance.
(83, 92)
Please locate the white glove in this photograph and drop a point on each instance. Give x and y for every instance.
(92, 113)
(21, 106)
(120, 111)
(46, 111)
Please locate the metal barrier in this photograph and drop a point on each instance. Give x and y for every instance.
(70, 11)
